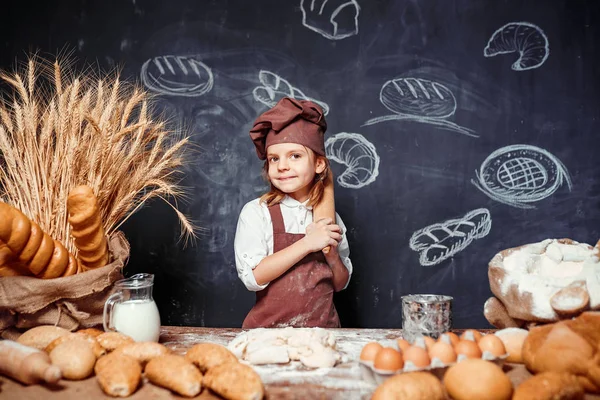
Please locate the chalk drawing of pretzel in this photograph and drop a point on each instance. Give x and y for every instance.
(358, 155)
(440, 241)
(419, 100)
(274, 88)
(527, 39)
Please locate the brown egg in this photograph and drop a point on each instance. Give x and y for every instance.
(443, 351)
(493, 344)
(369, 351)
(452, 336)
(477, 379)
(388, 359)
(403, 344)
(429, 341)
(469, 348)
(418, 356)
(467, 334)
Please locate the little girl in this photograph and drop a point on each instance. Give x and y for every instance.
(278, 246)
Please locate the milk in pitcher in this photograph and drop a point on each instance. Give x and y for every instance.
(137, 318)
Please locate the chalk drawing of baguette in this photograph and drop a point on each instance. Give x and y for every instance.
(527, 39)
(358, 155)
(274, 88)
(440, 241)
(419, 100)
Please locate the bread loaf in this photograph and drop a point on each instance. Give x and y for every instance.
(550, 386)
(118, 375)
(410, 386)
(43, 256)
(234, 381)
(175, 373)
(40, 336)
(208, 355)
(75, 359)
(86, 227)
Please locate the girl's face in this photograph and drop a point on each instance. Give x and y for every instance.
(292, 169)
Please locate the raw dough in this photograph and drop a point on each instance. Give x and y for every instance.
(313, 347)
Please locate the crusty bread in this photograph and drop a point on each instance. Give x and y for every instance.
(410, 386)
(208, 355)
(175, 373)
(111, 340)
(118, 375)
(86, 227)
(142, 351)
(40, 336)
(234, 381)
(550, 386)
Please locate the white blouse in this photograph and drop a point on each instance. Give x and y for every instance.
(254, 236)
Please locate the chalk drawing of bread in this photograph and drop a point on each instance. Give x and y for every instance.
(333, 19)
(440, 241)
(177, 76)
(358, 155)
(521, 174)
(525, 38)
(418, 97)
(274, 88)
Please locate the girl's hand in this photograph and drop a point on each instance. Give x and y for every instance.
(321, 234)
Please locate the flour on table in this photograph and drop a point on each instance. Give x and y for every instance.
(313, 347)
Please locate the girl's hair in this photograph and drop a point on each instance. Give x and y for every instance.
(274, 195)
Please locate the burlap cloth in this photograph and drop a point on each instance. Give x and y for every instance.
(71, 302)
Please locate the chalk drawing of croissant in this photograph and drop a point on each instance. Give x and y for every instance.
(525, 38)
(420, 100)
(358, 155)
(440, 241)
(177, 76)
(274, 88)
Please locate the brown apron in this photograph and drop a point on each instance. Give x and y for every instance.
(302, 296)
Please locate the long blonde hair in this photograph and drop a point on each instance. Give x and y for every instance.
(275, 196)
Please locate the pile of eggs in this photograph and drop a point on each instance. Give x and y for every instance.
(427, 352)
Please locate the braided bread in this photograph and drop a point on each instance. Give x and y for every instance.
(86, 227)
(27, 250)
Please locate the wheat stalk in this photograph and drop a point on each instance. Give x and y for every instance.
(59, 130)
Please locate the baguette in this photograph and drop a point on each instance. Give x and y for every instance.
(31, 247)
(86, 227)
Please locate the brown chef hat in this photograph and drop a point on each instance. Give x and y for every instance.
(290, 121)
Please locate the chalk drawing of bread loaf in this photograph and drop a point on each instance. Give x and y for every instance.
(28, 250)
(440, 241)
(333, 19)
(274, 88)
(525, 38)
(420, 100)
(177, 76)
(358, 155)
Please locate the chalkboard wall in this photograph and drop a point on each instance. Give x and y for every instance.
(457, 128)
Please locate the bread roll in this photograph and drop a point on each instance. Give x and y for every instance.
(410, 386)
(98, 350)
(175, 373)
(208, 355)
(87, 228)
(91, 331)
(40, 336)
(550, 386)
(142, 351)
(75, 359)
(111, 340)
(234, 381)
(118, 375)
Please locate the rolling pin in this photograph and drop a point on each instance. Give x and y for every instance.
(326, 207)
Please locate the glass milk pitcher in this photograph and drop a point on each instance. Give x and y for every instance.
(131, 309)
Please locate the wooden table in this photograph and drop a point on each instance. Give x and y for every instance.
(282, 382)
